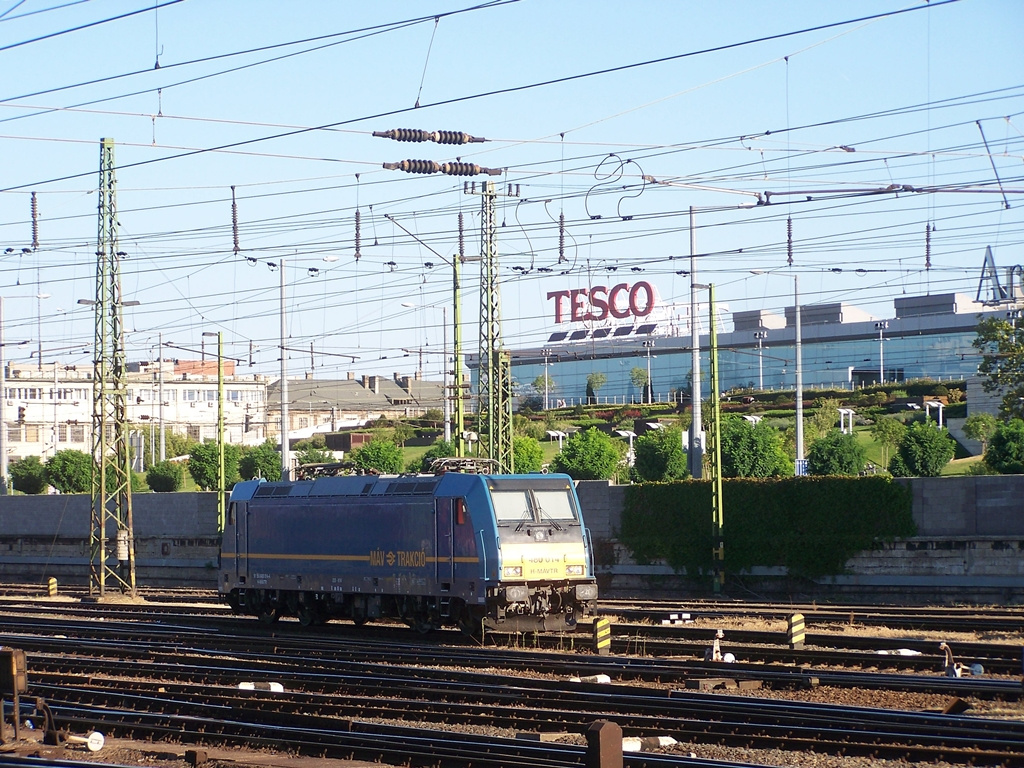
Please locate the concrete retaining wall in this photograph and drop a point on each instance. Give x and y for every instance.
(176, 539)
(970, 543)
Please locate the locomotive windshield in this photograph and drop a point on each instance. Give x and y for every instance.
(533, 504)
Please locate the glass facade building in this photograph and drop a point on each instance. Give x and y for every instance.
(842, 347)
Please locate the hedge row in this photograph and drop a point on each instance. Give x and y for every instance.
(810, 525)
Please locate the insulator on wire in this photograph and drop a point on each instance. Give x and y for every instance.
(789, 241)
(451, 169)
(439, 137)
(414, 166)
(927, 246)
(35, 222)
(462, 239)
(357, 253)
(234, 219)
(561, 237)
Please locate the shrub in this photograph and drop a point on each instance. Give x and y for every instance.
(70, 471)
(166, 476)
(28, 475)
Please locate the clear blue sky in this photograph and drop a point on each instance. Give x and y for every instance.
(247, 86)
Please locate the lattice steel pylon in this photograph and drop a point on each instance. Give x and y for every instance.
(495, 382)
(111, 476)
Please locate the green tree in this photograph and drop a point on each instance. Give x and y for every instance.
(638, 378)
(165, 476)
(824, 418)
(379, 454)
(28, 475)
(980, 427)
(527, 455)
(314, 456)
(595, 381)
(260, 461)
(589, 455)
(753, 450)
(70, 471)
(202, 465)
(538, 384)
(177, 445)
(433, 416)
(1005, 454)
(659, 455)
(888, 431)
(402, 433)
(925, 450)
(836, 454)
(441, 449)
(1001, 343)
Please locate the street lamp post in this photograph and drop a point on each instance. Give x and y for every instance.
(881, 325)
(760, 336)
(547, 355)
(220, 427)
(649, 344)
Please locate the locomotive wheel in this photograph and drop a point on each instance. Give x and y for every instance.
(269, 615)
(308, 616)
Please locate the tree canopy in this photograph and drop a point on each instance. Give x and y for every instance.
(924, 451)
(1005, 453)
(660, 456)
(588, 455)
(836, 453)
(527, 454)
(165, 476)
(379, 454)
(261, 461)
(888, 431)
(1001, 343)
(980, 427)
(753, 450)
(28, 475)
(70, 471)
(203, 460)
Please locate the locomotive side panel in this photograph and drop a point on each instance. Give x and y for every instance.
(361, 545)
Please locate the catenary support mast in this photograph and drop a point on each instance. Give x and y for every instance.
(111, 510)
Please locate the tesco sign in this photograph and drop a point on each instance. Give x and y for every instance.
(600, 302)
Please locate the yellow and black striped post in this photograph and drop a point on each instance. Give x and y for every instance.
(796, 631)
(51, 587)
(602, 637)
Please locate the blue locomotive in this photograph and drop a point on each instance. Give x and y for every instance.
(477, 551)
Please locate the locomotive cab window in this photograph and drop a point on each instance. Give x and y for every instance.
(533, 505)
(231, 513)
(460, 511)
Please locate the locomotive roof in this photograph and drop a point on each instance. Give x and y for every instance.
(386, 485)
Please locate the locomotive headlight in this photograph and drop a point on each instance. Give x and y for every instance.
(512, 572)
(574, 570)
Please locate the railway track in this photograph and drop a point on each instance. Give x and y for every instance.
(919, 618)
(166, 673)
(185, 683)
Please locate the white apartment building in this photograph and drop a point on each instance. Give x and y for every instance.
(49, 408)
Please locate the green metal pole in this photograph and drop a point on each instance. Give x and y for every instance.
(718, 543)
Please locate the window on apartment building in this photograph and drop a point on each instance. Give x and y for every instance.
(14, 433)
(77, 433)
(193, 432)
(31, 433)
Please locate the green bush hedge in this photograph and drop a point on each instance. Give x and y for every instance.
(810, 525)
